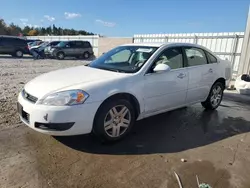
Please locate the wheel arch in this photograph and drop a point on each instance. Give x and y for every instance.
(123, 95)
(222, 80)
(60, 51)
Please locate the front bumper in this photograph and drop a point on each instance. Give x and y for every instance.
(58, 120)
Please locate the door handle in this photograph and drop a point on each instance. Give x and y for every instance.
(181, 75)
(210, 70)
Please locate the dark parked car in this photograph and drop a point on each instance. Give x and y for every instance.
(35, 43)
(78, 49)
(49, 46)
(13, 46)
(32, 40)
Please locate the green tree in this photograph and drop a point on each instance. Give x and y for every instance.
(14, 29)
(3, 27)
(26, 30)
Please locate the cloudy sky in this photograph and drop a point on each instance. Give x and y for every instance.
(128, 17)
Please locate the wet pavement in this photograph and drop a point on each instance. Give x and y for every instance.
(215, 145)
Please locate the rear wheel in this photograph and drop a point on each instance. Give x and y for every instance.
(215, 97)
(114, 120)
(18, 53)
(60, 55)
(86, 55)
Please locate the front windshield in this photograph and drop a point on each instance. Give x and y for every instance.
(61, 44)
(128, 59)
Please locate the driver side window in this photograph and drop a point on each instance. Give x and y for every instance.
(172, 57)
(119, 57)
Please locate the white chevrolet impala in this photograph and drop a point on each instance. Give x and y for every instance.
(128, 83)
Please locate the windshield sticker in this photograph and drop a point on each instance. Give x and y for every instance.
(146, 50)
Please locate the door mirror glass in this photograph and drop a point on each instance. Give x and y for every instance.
(162, 68)
(67, 46)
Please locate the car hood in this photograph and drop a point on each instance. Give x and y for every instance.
(60, 79)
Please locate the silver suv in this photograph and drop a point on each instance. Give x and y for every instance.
(78, 49)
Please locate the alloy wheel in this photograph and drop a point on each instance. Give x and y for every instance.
(216, 96)
(117, 121)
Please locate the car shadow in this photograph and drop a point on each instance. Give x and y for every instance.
(170, 132)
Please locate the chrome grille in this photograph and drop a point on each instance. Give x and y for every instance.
(29, 97)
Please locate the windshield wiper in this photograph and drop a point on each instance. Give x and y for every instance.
(110, 69)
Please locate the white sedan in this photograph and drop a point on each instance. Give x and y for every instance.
(128, 83)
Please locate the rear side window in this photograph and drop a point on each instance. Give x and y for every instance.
(86, 45)
(72, 44)
(13, 41)
(195, 56)
(79, 44)
(19, 42)
(5, 41)
(211, 58)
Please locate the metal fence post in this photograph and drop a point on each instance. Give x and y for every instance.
(166, 39)
(195, 39)
(235, 46)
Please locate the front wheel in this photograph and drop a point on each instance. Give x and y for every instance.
(60, 55)
(215, 97)
(114, 120)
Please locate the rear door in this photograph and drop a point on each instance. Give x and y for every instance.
(201, 74)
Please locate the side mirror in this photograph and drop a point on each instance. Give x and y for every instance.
(67, 46)
(162, 68)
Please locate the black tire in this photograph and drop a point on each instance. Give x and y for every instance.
(86, 55)
(207, 104)
(60, 55)
(103, 113)
(18, 53)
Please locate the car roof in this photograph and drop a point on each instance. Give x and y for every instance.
(165, 44)
(170, 44)
(145, 44)
(12, 37)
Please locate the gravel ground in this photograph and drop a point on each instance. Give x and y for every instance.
(14, 74)
(213, 145)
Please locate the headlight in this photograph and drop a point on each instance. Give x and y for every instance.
(65, 98)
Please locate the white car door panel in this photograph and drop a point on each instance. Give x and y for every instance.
(165, 90)
(198, 85)
(201, 74)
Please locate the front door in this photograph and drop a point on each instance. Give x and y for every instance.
(166, 90)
